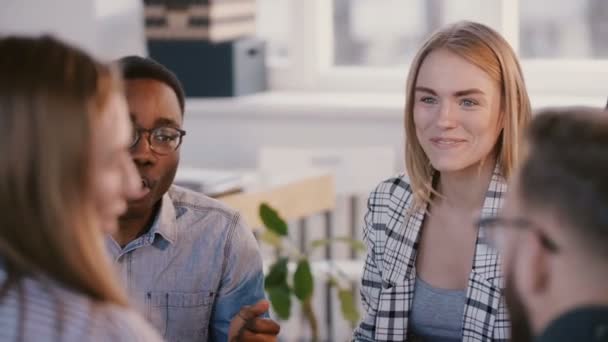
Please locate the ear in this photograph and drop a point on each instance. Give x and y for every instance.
(533, 264)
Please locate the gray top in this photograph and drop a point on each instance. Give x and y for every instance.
(437, 314)
(50, 312)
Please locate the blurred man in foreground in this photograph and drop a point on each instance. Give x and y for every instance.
(553, 230)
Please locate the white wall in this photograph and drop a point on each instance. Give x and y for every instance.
(231, 136)
(229, 133)
(107, 29)
(234, 142)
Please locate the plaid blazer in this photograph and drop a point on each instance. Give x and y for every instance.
(387, 287)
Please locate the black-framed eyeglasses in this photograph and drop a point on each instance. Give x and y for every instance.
(162, 140)
(492, 224)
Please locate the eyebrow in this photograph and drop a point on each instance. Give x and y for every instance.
(426, 90)
(165, 122)
(456, 94)
(158, 122)
(471, 91)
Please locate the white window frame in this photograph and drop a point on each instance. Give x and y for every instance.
(310, 65)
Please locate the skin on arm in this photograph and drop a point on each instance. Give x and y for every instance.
(248, 324)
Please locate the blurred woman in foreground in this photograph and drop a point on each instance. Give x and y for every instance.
(65, 173)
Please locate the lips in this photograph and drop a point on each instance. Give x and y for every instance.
(146, 187)
(446, 143)
(145, 183)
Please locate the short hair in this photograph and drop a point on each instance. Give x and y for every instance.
(487, 49)
(566, 172)
(134, 67)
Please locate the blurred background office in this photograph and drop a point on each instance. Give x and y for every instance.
(334, 73)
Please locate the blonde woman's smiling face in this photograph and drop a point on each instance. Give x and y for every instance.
(456, 111)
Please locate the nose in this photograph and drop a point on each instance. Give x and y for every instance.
(142, 153)
(131, 180)
(445, 117)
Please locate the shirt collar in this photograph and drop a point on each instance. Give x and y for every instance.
(164, 226)
(165, 222)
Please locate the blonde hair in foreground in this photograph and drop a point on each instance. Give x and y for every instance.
(50, 97)
(488, 50)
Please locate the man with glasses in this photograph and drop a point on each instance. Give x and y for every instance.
(188, 261)
(553, 230)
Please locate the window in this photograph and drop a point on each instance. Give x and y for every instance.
(273, 26)
(564, 29)
(389, 32)
(367, 45)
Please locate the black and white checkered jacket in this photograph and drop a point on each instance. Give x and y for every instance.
(387, 288)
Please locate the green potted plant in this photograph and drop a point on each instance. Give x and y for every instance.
(282, 287)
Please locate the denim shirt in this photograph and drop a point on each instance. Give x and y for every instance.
(194, 269)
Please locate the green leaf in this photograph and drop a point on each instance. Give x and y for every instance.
(332, 281)
(271, 238)
(280, 299)
(357, 245)
(347, 305)
(272, 220)
(277, 276)
(303, 282)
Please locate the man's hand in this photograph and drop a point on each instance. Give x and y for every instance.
(247, 326)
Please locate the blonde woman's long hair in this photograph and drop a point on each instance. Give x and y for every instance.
(50, 97)
(488, 50)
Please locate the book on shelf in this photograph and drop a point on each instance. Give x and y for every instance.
(214, 11)
(214, 33)
(216, 21)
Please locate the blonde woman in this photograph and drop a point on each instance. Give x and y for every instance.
(64, 176)
(429, 274)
